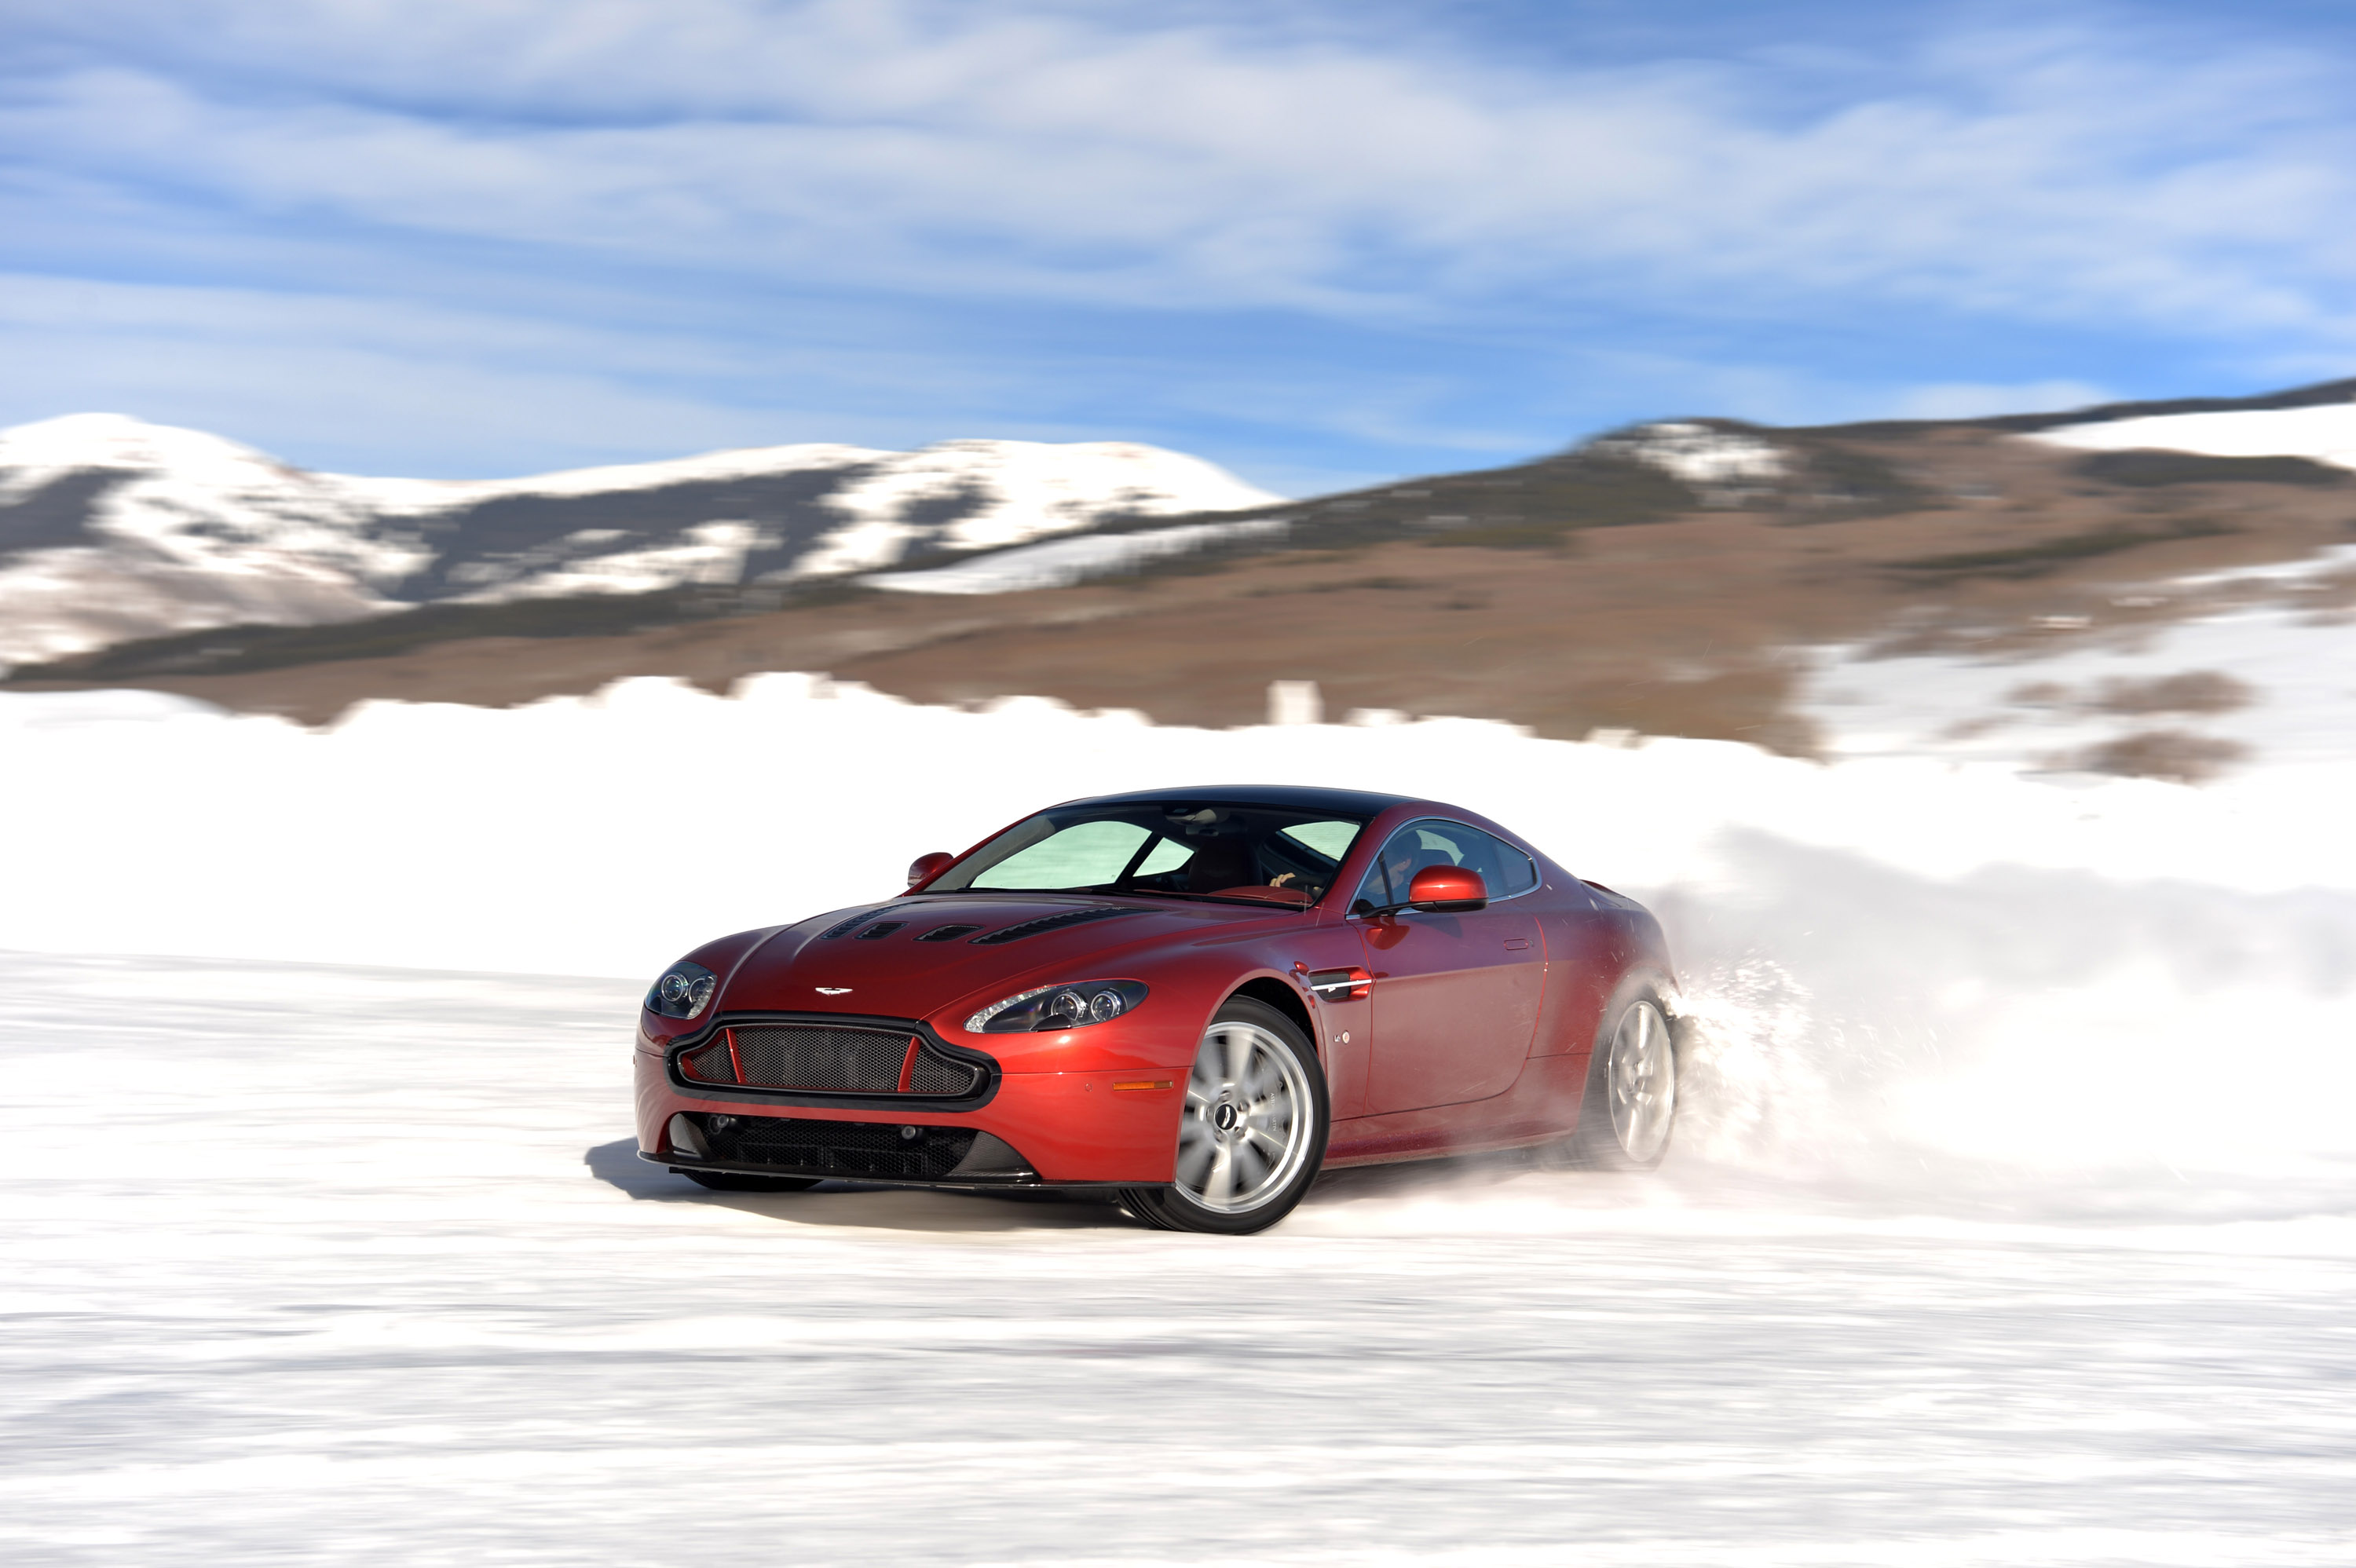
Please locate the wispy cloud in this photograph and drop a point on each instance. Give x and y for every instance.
(2083, 178)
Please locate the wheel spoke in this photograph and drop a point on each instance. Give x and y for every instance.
(1195, 1157)
(1219, 1187)
(1251, 1166)
(1276, 1146)
(1234, 1056)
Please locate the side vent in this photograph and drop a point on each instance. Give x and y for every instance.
(1048, 922)
(947, 932)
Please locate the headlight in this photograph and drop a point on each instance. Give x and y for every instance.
(684, 990)
(1057, 1006)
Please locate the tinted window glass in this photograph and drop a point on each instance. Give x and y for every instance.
(1080, 856)
(1504, 870)
(1188, 847)
(1516, 873)
(1167, 855)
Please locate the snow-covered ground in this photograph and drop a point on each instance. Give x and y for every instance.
(2272, 678)
(1054, 563)
(354, 1267)
(2009, 1220)
(2323, 433)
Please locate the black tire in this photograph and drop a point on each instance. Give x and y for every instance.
(1256, 1087)
(1627, 1117)
(735, 1181)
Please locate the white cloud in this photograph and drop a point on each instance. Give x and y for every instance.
(361, 381)
(2065, 174)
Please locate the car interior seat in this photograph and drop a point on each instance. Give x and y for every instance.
(1219, 864)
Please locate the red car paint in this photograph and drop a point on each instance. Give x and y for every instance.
(1439, 1032)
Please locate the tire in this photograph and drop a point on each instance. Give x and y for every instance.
(1251, 1136)
(734, 1181)
(1629, 1111)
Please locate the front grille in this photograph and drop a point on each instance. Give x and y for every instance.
(711, 1065)
(828, 1058)
(866, 1061)
(836, 1149)
(928, 1074)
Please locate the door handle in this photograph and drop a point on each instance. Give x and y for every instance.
(1517, 942)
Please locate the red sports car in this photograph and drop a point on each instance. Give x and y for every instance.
(1189, 1000)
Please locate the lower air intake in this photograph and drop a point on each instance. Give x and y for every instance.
(846, 1150)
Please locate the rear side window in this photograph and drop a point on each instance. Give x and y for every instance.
(1516, 873)
(1504, 870)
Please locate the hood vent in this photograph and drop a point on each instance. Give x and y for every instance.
(880, 930)
(947, 932)
(841, 926)
(1047, 923)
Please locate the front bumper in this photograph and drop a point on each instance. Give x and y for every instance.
(1085, 1128)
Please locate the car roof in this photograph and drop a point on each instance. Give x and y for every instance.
(1284, 797)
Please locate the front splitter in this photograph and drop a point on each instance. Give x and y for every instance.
(1025, 1181)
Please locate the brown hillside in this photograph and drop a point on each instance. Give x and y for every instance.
(1566, 596)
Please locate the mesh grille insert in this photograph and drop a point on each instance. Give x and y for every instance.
(711, 1065)
(931, 1075)
(836, 1149)
(863, 1061)
(852, 1061)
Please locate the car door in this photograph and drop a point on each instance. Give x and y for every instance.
(1455, 997)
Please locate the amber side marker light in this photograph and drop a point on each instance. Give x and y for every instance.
(1141, 1086)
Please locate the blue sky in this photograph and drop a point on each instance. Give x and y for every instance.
(1322, 244)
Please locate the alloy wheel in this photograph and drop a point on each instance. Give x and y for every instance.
(1245, 1129)
(1642, 1082)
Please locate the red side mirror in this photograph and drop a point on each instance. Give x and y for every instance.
(1447, 889)
(925, 868)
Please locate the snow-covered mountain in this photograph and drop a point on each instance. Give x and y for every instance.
(113, 529)
(2322, 433)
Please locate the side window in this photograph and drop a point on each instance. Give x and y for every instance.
(1516, 873)
(1409, 851)
(1504, 870)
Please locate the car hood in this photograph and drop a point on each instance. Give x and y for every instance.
(804, 968)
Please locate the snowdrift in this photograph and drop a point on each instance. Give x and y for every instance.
(1924, 967)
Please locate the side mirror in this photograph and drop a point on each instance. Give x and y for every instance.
(925, 868)
(1447, 889)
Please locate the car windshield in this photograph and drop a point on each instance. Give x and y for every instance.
(1178, 849)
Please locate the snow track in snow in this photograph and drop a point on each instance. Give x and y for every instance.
(355, 1266)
